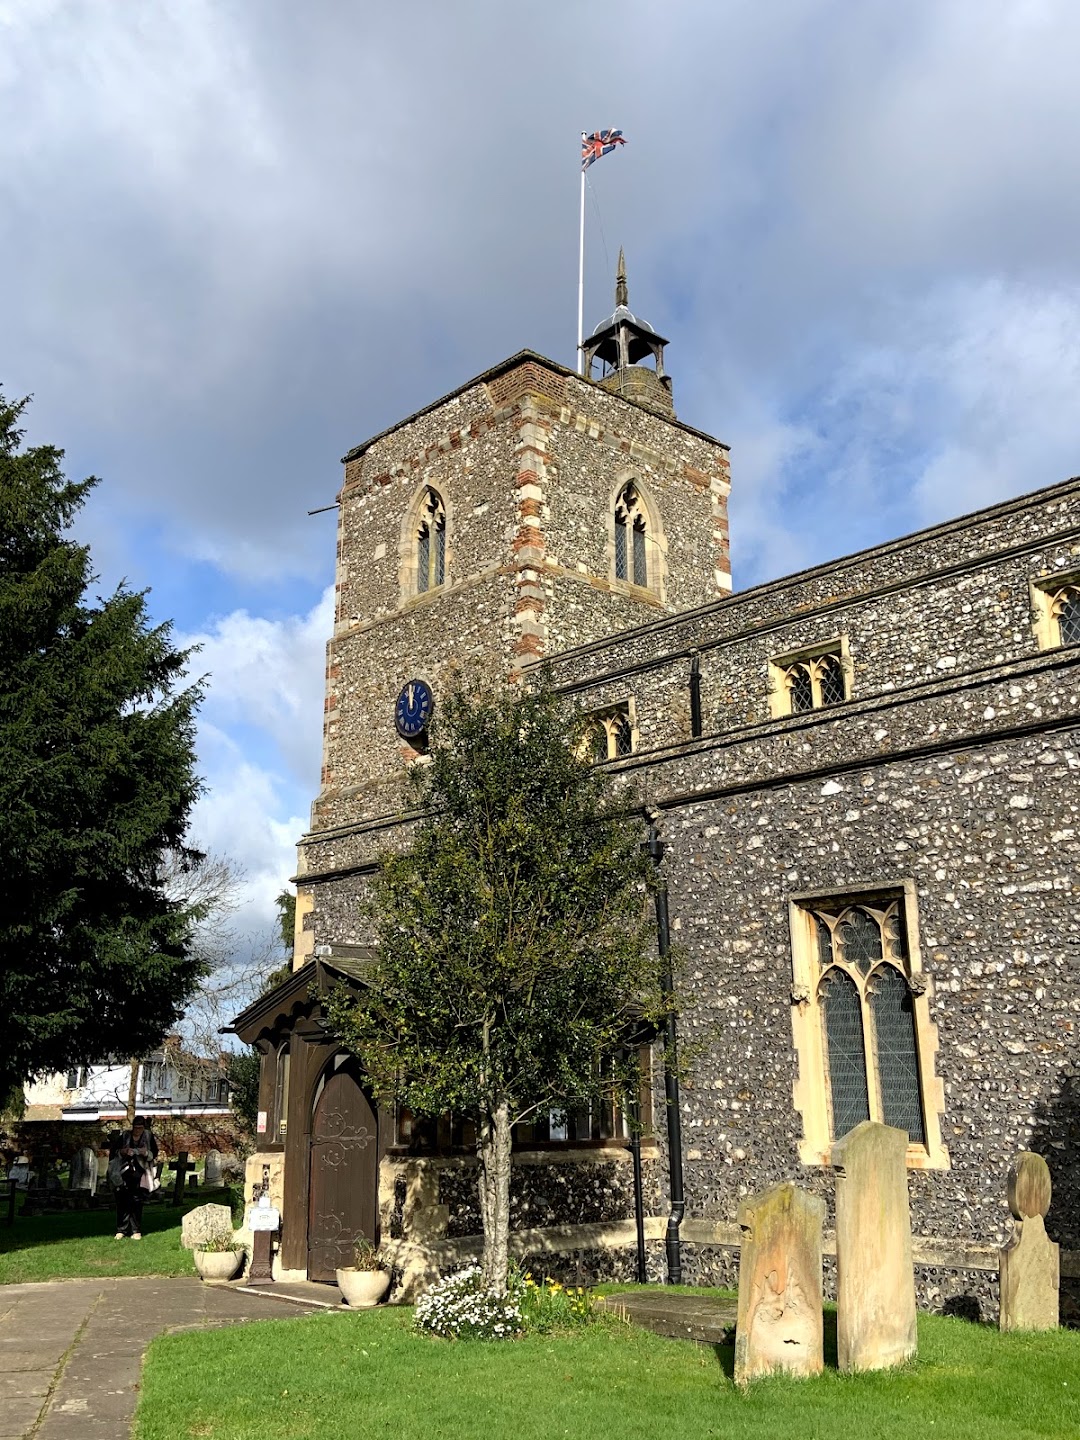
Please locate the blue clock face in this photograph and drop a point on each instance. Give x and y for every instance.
(413, 709)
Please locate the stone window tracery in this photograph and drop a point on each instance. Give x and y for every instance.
(609, 734)
(430, 541)
(862, 1027)
(812, 679)
(1056, 611)
(631, 535)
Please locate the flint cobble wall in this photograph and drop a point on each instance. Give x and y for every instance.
(528, 463)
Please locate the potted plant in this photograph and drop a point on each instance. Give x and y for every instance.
(365, 1283)
(218, 1258)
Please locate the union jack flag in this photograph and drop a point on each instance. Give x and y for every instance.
(600, 142)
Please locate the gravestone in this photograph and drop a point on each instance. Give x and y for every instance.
(779, 1325)
(875, 1292)
(212, 1170)
(84, 1170)
(205, 1222)
(1030, 1265)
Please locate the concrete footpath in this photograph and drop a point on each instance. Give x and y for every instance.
(71, 1350)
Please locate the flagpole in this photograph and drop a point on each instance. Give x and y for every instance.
(581, 278)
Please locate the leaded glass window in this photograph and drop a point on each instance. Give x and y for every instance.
(430, 542)
(869, 1031)
(609, 734)
(846, 1051)
(641, 573)
(831, 678)
(860, 938)
(802, 693)
(623, 735)
(897, 1055)
(813, 683)
(1067, 610)
(632, 537)
(620, 546)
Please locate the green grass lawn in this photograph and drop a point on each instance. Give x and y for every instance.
(80, 1243)
(353, 1376)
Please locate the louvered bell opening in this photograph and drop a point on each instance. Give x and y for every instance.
(893, 1010)
(1069, 618)
(831, 682)
(423, 559)
(802, 692)
(860, 938)
(641, 573)
(620, 548)
(440, 553)
(846, 1052)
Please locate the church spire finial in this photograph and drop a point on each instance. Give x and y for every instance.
(621, 291)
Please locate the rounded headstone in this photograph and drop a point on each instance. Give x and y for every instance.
(1029, 1186)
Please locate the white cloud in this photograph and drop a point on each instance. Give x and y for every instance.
(269, 675)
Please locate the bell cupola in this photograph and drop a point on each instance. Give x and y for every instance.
(619, 344)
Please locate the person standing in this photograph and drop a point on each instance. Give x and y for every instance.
(137, 1151)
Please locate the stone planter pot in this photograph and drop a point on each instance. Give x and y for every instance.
(217, 1264)
(362, 1288)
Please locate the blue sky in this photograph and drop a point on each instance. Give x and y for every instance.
(237, 238)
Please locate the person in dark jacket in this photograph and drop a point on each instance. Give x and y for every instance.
(137, 1151)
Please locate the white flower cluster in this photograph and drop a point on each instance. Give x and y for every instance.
(462, 1307)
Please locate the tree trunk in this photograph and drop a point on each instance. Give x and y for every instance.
(133, 1090)
(493, 1148)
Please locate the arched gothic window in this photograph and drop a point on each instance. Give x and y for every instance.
(868, 1019)
(430, 542)
(631, 537)
(812, 682)
(609, 735)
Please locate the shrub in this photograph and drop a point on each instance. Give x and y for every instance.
(220, 1245)
(550, 1306)
(461, 1307)
(366, 1254)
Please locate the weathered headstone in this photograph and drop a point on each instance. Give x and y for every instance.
(875, 1298)
(212, 1169)
(84, 1170)
(779, 1325)
(205, 1222)
(1030, 1264)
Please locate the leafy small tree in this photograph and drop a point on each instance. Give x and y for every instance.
(515, 955)
(97, 780)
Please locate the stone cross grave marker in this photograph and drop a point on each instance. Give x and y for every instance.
(1030, 1265)
(212, 1169)
(779, 1325)
(84, 1170)
(875, 1299)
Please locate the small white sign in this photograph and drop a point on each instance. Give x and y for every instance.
(265, 1218)
(260, 1123)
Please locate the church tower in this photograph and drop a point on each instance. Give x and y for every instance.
(530, 511)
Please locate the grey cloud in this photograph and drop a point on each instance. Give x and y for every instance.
(243, 238)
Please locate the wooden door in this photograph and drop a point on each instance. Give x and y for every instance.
(343, 1194)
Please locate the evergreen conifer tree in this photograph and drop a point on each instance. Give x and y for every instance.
(97, 780)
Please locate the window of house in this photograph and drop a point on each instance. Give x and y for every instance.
(430, 542)
(811, 679)
(1056, 611)
(631, 536)
(862, 1024)
(610, 734)
(71, 1079)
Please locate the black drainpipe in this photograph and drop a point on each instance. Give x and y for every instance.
(672, 1241)
(695, 694)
